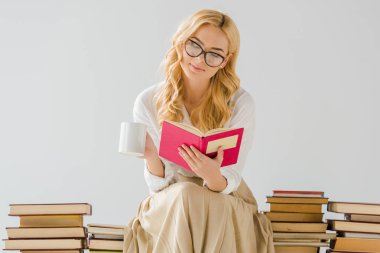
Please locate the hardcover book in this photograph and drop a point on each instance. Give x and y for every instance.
(44, 221)
(49, 209)
(174, 134)
(354, 208)
(40, 233)
(355, 245)
(46, 244)
(292, 193)
(351, 226)
(299, 227)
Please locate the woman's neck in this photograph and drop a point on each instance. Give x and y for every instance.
(194, 91)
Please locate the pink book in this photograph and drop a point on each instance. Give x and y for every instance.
(174, 134)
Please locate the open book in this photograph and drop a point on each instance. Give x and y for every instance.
(174, 134)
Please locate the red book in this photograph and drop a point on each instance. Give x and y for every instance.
(174, 134)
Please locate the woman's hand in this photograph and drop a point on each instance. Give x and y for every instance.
(150, 149)
(205, 167)
(153, 161)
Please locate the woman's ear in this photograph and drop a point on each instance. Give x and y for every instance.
(225, 61)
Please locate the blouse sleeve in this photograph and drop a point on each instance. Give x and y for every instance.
(143, 112)
(243, 116)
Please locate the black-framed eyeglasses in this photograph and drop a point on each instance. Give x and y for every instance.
(212, 59)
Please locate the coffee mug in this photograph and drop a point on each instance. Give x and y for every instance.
(132, 138)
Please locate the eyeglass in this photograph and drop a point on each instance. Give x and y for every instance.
(212, 59)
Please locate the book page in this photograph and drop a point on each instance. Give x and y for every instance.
(186, 127)
(226, 143)
(217, 130)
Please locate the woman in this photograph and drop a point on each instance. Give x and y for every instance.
(210, 209)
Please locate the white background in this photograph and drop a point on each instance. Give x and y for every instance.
(70, 71)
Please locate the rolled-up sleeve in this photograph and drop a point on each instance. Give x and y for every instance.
(143, 112)
(242, 116)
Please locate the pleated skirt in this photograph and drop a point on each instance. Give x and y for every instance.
(187, 217)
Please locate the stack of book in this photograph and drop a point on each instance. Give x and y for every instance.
(105, 238)
(48, 228)
(297, 221)
(360, 229)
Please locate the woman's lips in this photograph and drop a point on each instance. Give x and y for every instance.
(195, 68)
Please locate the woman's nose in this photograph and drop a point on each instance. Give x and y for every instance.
(200, 58)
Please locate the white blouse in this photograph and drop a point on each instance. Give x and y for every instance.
(243, 115)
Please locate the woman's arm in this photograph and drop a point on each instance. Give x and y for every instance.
(155, 165)
(157, 175)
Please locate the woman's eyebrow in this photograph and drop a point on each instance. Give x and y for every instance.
(215, 48)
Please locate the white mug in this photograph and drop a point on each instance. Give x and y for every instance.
(132, 138)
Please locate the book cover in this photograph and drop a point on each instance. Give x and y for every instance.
(100, 244)
(351, 226)
(297, 200)
(295, 193)
(295, 249)
(47, 209)
(354, 208)
(46, 244)
(358, 235)
(62, 220)
(106, 229)
(311, 227)
(63, 232)
(355, 245)
(305, 235)
(296, 208)
(362, 218)
(175, 134)
(294, 217)
(53, 251)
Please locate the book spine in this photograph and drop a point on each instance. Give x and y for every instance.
(202, 145)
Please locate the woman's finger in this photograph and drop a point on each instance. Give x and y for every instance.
(186, 157)
(197, 153)
(190, 153)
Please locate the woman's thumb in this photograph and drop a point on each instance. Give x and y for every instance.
(220, 154)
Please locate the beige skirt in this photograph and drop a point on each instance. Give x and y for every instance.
(187, 217)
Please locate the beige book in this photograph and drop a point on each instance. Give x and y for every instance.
(105, 244)
(363, 218)
(322, 236)
(52, 251)
(299, 227)
(107, 237)
(40, 244)
(297, 240)
(295, 249)
(106, 251)
(310, 244)
(297, 200)
(45, 209)
(294, 217)
(356, 245)
(106, 229)
(358, 235)
(26, 233)
(44, 221)
(296, 208)
(354, 208)
(351, 226)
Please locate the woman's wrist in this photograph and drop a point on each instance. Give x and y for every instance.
(155, 166)
(217, 184)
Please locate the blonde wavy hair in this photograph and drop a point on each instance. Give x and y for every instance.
(216, 107)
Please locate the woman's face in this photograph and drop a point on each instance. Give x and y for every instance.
(210, 39)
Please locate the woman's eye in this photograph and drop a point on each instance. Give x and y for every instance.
(215, 56)
(193, 44)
